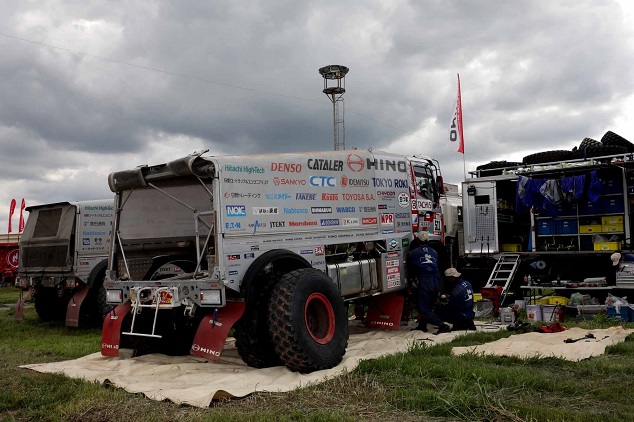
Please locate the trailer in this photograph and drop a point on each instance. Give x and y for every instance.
(274, 247)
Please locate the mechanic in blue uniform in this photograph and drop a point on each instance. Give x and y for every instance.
(458, 309)
(424, 259)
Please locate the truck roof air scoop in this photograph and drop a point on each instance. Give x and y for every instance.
(192, 165)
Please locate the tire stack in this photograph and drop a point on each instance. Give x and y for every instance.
(610, 144)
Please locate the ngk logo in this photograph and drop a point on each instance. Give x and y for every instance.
(206, 350)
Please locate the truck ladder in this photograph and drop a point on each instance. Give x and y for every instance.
(504, 271)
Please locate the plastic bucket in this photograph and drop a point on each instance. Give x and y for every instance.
(548, 313)
(520, 304)
(507, 316)
(534, 312)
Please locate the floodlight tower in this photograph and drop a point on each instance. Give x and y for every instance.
(336, 74)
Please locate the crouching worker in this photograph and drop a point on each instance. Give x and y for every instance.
(458, 307)
(425, 260)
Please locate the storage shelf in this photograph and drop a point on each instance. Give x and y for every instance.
(569, 288)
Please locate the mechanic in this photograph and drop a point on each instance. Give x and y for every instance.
(425, 261)
(457, 307)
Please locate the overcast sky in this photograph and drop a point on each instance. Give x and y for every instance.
(92, 86)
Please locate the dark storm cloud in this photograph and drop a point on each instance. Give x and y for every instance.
(93, 87)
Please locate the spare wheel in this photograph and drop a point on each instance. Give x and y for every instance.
(308, 321)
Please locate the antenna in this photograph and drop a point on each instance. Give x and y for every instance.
(335, 75)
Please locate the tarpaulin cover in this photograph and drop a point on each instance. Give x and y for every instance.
(194, 381)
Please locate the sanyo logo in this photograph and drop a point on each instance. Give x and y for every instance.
(236, 211)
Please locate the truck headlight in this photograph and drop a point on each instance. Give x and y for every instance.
(114, 296)
(210, 297)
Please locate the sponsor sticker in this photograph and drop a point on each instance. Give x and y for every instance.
(234, 257)
(265, 210)
(369, 220)
(321, 210)
(319, 250)
(403, 199)
(236, 210)
(387, 219)
(349, 221)
(392, 263)
(329, 222)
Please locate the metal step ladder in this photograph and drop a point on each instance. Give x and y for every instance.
(503, 272)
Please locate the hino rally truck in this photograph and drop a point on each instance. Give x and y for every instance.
(553, 220)
(63, 259)
(273, 246)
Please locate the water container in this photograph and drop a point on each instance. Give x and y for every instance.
(534, 312)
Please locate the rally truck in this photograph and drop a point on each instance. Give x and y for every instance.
(9, 252)
(63, 259)
(273, 246)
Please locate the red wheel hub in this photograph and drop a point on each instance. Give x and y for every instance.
(320, 318)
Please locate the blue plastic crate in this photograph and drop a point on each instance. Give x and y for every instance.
(611, 186)
(566, 226)
(546, 227)
(591, 208)
(623, 314)
(612, 204)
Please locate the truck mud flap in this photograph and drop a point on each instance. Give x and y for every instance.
(19, 306)
(385, 311)
(74, 304)
(213, 330)
(111, 332)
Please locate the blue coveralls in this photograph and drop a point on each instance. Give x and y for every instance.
(425, 260)
(459, 310)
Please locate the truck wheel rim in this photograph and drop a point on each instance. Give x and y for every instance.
(320, 318)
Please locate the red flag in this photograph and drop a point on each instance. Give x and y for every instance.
(21, 226)
(456, 133)
(11, 210)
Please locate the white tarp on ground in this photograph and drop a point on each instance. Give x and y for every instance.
(194, 381)
(552, 344)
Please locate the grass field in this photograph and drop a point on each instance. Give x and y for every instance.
(426, 383)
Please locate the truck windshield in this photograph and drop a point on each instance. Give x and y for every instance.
(425, 185)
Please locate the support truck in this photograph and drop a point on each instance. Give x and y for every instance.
(63, 260)
(273, 246)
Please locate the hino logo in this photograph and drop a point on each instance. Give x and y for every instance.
(109, 346)
(386, 165)
(206, 350)
(383, 323)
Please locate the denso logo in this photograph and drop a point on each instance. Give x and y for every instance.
(305, 196)
(236, 211)
(277, 181)
(330, 222)
(286, 167)
(206, 350)
(323, 181)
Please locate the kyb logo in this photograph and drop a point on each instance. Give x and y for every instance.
(323, 181)
(236, 211)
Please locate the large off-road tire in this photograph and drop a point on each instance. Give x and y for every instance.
(602, 151)
(550, 157)
(308, 321)
(253, 339)
(48, 305)
(589, 143)
(95, 306)
(495, 167)
(611, 138)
